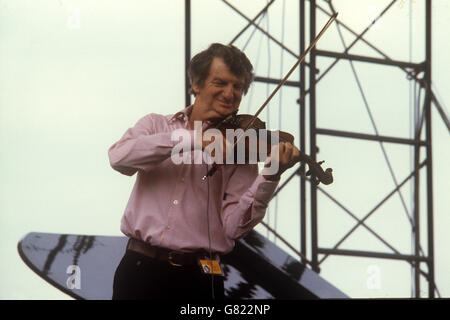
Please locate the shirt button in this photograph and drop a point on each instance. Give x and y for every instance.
(168, 227)
(182, 179)
(175, 202)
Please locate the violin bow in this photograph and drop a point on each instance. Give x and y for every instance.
(282, 82)
(302, 57)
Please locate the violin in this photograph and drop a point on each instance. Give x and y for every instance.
(242, 121)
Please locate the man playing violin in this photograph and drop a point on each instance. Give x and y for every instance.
(178, 223)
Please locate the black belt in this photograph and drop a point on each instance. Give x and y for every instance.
(175, 258)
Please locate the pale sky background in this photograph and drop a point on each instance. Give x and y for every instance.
(75, 74)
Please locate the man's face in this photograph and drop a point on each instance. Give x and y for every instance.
(220, 94)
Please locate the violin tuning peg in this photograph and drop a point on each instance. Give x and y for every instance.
(308, 173)
(320, 162)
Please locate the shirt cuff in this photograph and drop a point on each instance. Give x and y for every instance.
(262, 191)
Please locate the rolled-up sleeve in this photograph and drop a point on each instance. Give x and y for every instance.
(247, 195)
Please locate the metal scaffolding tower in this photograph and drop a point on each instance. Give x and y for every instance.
(417, 73)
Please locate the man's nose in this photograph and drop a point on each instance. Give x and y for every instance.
(228, 92)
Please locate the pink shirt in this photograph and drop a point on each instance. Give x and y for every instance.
(168, 203)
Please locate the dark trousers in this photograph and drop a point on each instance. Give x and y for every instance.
(141, 277)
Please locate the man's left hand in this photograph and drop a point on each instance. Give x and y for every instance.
(286, 155)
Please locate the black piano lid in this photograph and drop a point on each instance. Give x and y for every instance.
(255, 269)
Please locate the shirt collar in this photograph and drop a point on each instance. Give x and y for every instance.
(182, 115)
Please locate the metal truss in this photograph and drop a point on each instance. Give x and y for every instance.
(419, 73)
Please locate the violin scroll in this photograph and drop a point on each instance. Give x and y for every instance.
(315, 170)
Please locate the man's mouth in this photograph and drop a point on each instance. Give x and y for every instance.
(225, 104)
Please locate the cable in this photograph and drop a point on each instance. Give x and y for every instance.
(412, 105)
(253, 32)
(267, 94)
(408, 215)
(209, 235)
(372, 120)
(280, 103)
(255, 68)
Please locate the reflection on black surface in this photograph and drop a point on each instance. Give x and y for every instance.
(255, 269)
(254, 240)
(53, 253)
(238, 286)
(82, 244)
(244, 290)
(294, 268)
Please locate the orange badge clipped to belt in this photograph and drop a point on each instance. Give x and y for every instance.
(210, 266)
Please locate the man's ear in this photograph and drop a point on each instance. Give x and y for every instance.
(195, 89)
